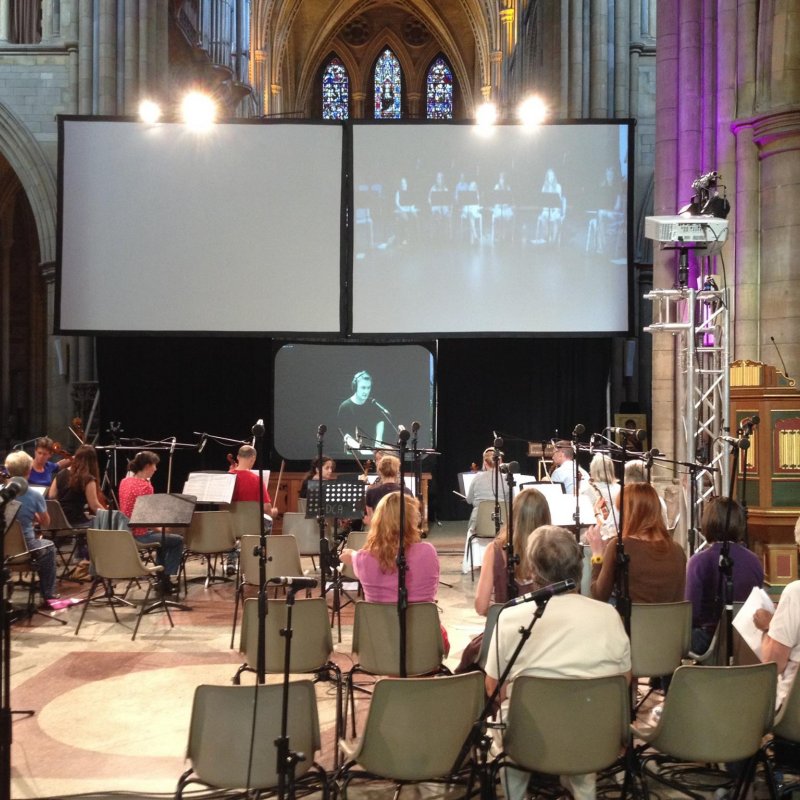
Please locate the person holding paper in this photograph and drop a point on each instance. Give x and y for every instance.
(703, 576)
(781, 640)
(143, 466)
(247, 484)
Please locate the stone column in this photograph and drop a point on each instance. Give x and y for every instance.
(598, 59)
(275, 98)
(5, 20)
(107, 58)
(6, 242)
(85, 58)
(575, 101)
(260, 64)
(496, 61)
(622, 40)
(413, 105)
(778, 138)
(130, 77)
(357, 100)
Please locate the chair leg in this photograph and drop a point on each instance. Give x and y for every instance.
(238, 597)
(92, 590)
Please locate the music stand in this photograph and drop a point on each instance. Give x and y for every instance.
(343, 498)
(164, 511)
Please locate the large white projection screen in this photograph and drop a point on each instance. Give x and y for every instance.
(459, 229)
(236, 229)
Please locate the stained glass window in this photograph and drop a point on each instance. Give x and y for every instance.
(388, 86)
(440, 91)
(335, 90)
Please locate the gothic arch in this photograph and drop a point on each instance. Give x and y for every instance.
(28, 161)
(272, 27)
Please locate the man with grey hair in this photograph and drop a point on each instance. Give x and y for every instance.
(576, 637)
(33, 509)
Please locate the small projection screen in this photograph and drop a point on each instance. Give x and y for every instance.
(237, 229)
(392, 385)
(459, 230)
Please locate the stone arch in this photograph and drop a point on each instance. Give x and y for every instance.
(29, 162)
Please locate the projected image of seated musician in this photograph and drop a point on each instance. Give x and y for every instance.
(361, 414)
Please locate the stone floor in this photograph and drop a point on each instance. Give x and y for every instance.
(113, 715)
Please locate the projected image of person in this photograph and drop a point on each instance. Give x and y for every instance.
(502, 210)
(405, 212)
(554, 209)
(610, 216)
(439, 198)
(360, 414)
(468, 201)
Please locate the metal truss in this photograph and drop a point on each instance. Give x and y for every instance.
(700, 322)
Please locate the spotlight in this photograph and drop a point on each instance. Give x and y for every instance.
(149, 112)
(486, 114)
(198, 111)
(532, 111)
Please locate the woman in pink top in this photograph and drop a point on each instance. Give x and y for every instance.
(376, 564)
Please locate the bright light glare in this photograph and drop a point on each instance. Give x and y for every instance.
(149, 112)
(198, 111)
(486, 114)
(532, 111)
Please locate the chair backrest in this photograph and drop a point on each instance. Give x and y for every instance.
(484, 524)
(310, 649)
(210, 532)
(115, 555)
(717, 653)
(219, 734)
(787, 723)
(283, 558)
(355, 541)
(245, 518)
(376, 638)
(306, 531)
(15, 548)
(567, 726)
(660, 637)
(407, 749)
(716, 714)
(488, 630)
(58, 520)
(302, 502)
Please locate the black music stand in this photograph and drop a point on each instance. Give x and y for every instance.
(164, 511)
(343, 499)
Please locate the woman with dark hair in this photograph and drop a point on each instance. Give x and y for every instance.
(328, 468)
(703, 577)
(657, 565)
(77, 488)
(143, 466)
(530, 511)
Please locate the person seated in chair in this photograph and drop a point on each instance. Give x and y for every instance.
(389, 473)
(33, 509)
(576, 637)
(481, 488)
(703, 576)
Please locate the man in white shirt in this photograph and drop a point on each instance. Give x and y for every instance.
(563, 458)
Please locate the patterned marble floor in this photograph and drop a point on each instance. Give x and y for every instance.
(112, 715)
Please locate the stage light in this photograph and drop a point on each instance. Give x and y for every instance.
(198, 111)
(149, 112)
(532, 111)
(486, 114)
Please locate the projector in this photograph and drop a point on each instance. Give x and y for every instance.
(708, 233)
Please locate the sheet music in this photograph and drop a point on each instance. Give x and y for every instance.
(211, 487)
(743, 621)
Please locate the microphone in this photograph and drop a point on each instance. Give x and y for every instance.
(258, 428)
(733, 442)
(172, 446)
(498, 441)
(295, 583)
(203, 442)
(376, 403)
(578, 430)
(512, 468)
(321, 431)
(15, 487)
(415, 426)
(639, 434)
(402, 434)
(783, 363)
(544, 594)
(749, 423)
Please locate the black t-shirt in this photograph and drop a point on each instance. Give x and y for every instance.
(365, 416)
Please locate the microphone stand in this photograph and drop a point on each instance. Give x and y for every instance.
(324, 545)
(512, 559)
(477, 736)
(402, 591)
(621, 577)
(498, 443)
(576, 517)
(287, 758)
(261, 665)
(746, 432)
